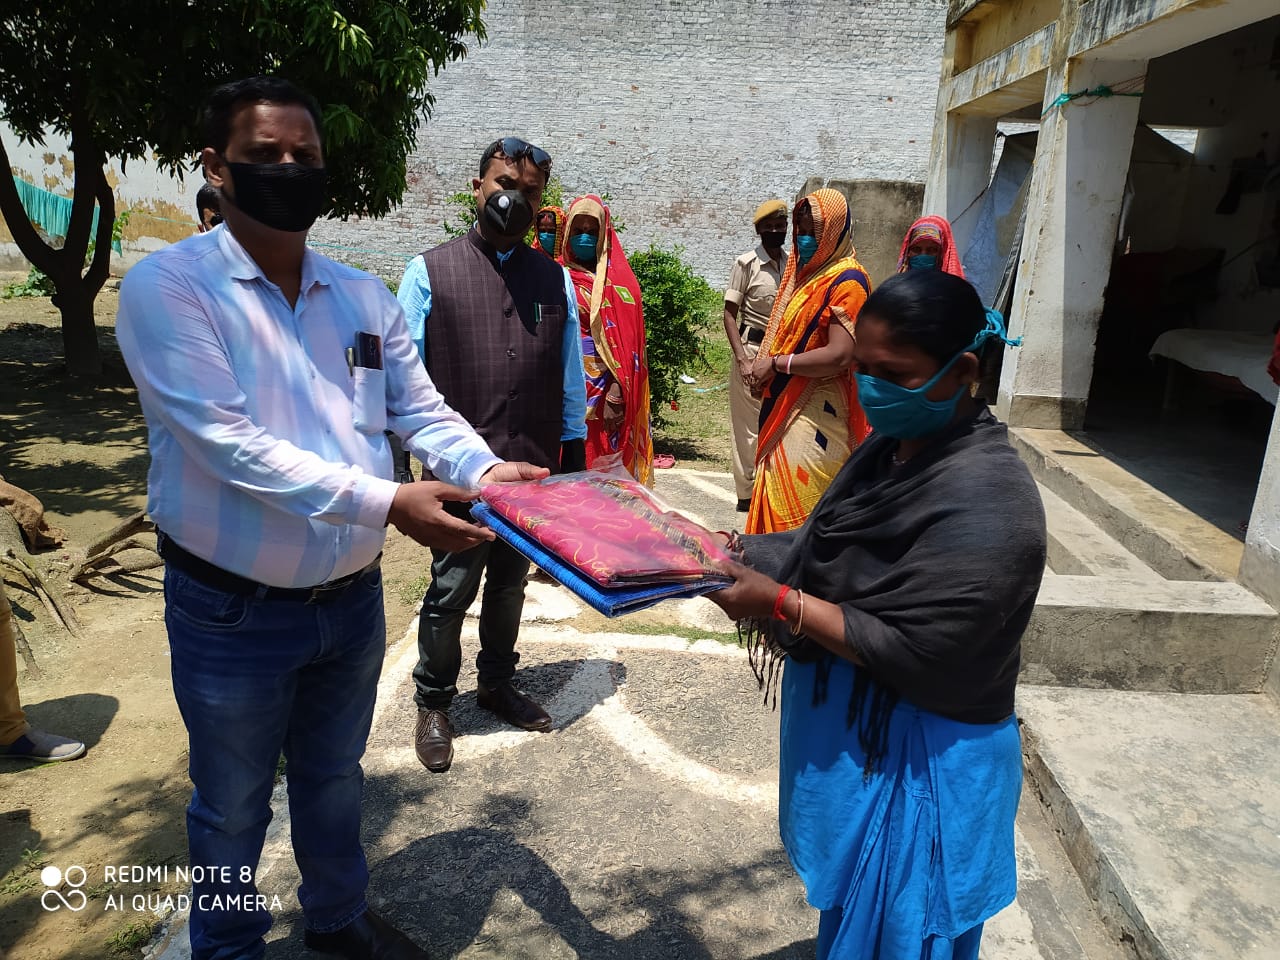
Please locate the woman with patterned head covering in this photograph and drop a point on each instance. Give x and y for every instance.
(613, 339)
(928, 245)
(810, 420)
(548, 231)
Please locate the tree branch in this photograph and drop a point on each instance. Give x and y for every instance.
(101, 265)
(25, 236)
(88, 173)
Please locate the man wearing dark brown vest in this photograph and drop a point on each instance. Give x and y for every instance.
(496, 325)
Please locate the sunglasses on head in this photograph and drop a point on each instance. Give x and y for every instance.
(513, 148)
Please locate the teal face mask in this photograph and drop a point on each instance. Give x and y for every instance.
(923, 261)
(907, 414)
(583, 246)
(806, 247)
(547, 241)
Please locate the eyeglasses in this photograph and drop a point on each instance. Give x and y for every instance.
(513, 148)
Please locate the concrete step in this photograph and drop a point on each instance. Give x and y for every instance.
(1149, 634)
(1078, 546)
(1168, 806)
(1053, 918)
(1166, 536)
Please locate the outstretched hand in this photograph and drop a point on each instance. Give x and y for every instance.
(418, 512)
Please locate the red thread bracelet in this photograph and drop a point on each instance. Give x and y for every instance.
(777, 604)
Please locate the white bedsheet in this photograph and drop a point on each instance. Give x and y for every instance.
(1241, 355)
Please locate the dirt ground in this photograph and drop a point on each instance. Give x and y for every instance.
(83, 452)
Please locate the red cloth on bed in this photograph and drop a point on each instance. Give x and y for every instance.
(610, 529)
(1273, 367)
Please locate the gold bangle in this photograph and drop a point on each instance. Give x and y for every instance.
(795, 631)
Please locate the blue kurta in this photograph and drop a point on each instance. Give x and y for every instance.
(910, 862)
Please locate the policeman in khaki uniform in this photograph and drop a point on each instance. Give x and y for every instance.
(748, 300)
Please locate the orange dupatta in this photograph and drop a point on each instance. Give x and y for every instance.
(833, 285)
(562, 226)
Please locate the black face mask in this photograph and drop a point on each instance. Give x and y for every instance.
(773, 239)
(507, 214)
(283, 196)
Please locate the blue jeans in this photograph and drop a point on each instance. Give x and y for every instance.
(253, 678)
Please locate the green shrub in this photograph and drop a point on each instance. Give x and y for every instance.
(678, 306)
(36, 285)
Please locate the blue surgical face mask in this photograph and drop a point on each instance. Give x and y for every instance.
(904, 414)
(923, 261)
(547, 241)
(583, 246)
(806, 247)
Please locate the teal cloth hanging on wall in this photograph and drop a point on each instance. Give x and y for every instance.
(52, 213)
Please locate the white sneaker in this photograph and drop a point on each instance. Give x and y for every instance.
(46, 747)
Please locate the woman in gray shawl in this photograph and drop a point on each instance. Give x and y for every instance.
(899, 609)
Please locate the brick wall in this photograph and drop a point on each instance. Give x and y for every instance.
(687, 113)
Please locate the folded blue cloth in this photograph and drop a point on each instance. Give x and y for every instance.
(611, 601)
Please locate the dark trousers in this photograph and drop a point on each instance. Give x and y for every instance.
(455, 580)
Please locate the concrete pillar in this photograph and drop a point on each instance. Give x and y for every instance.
(959, 169)
(1073, 211)
(1260, 566)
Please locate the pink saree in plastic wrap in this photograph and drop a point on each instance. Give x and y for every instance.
(607, 536)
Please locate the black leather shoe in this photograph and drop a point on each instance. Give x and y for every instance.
(513, 706)
(744, 505)
(367, 937)
(433, 740)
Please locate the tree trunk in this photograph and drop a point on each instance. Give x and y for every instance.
(75, 288)
(79, 332)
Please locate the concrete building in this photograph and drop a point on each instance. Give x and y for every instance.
(1130, 229)
(1105, 194)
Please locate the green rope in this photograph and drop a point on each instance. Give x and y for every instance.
(1100, 91)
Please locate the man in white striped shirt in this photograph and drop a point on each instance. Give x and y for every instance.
(268, 375)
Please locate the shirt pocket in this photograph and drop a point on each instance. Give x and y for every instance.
(550, 313)
(369, 400)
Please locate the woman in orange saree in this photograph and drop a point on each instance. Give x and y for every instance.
(810, 420)
(613, 339)
(548, 231)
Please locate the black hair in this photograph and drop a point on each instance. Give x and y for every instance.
(931, 310)
(495, 148)
(226, 99)
(207, 198)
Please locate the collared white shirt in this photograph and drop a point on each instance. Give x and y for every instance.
(268, 457)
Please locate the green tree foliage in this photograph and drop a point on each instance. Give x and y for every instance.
(678, 306)
(124, 80)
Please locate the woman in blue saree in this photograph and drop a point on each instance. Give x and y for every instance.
(896, 613)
